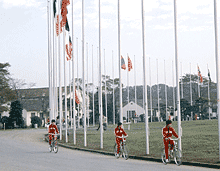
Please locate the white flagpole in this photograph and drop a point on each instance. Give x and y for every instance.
(173, 94)
(113, 89)
(181, 81)
(151, 112)
(106, 113)
(135, 90)
(100, 81)
(198, 82)
(128, 88)
(87, 92)
(158, 95)
(73, 76)
(83, 75)
(145, 81)
(49, 58)
(77, 51)
(191, 93)
(165, 89)
(217, 68)
(119, 56)
(208, 93)
(93, 109)
(70, 88)
(64, 59)
(177, 79)
(60, 84)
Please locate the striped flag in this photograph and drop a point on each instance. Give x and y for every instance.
(123, 66)
(64, 12)
(200, 75)
(69, 49)
(76, 98)
(129, 64)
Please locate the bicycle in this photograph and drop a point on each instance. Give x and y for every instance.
(123, 148)
(54, 146)
(176, 154)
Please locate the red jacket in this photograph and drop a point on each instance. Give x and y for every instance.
(120, 132)
(167, 134)
(53, 129)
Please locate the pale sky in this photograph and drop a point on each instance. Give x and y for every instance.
(24, 37)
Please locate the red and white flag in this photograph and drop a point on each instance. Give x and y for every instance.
(69, 49)
(129, 64)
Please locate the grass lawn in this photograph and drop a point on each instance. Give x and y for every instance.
(199, 139)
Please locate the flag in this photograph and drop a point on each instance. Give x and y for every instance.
(69, 49)
(129, 64)
(123, 63)
(54, 8)
(64, 12)
(67, 26)
(57, 25)
(199, 75)
(209, 76)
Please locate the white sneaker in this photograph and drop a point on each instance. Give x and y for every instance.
(117, 155)
(167, 160)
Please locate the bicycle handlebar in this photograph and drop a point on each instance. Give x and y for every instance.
(53, 134)
(122, 136)
(172, 139)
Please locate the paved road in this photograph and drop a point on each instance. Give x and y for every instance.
(26, 150)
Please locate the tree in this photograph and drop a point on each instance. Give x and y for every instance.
(36, 120)
(16, 113)
(6, 93)
(7, 121)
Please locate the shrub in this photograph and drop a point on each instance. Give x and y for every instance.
(36, 120)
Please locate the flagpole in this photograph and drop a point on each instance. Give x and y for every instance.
(87, 92)
(181, 81)
(100, 80)
(60, 84)
(198, 83)
(151, 112)
(145, 80)
(217, 68)
(128, 87)
(65, 88)
(119, 56)
(70, 88)
(73, 75)
(177, 79)
(165, 89)
(208, 93)
(83, 75)
(113, 89)
(135, 90)
(77, 51)
(173, 94)
(93, 114)
(158, 95)
(106, 114)
(191, 92)
(49, 57)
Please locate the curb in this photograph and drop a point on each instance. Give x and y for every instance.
(147, 158)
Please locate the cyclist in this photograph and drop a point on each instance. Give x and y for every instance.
(167, 132)
(119, 131)
(52, 130)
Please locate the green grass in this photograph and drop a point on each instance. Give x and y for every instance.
(199, 140)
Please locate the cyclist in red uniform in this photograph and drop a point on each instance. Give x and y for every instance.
(119, 131)
(52, 130)
(167, 132)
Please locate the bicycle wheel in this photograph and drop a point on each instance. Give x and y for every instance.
(115, 150)
(50, 149)
(125, 152)
(178, 157)
(55, 148)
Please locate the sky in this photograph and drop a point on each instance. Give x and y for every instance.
(24, 38)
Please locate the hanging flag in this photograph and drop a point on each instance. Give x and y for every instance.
(76, 98)
(57, 26)
(67, 26)
(209, 76)
(64, 12)
(200, 75)
(69, 49)
(123, 63)
(54, 8)
(129, 64)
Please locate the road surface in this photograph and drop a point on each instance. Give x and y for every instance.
(26, 150)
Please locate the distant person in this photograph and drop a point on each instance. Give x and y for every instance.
(52, 130)
(119, 131)
(167, 132)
